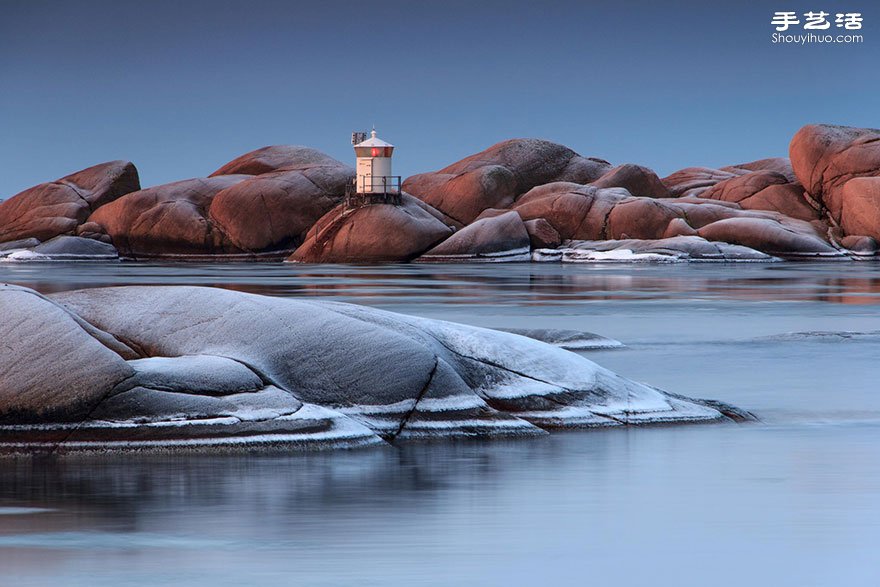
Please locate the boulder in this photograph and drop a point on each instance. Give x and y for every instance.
(769, 236)
(54, 366)
(58, 207)
(575, 211)
(260, 204)
(780, 165)
(494, 178)
(93, 231)
(25, 243)
(76, 247)
(860, 245)
(637, 180)
(277, 158)
(679, 248)
(584, 212)
(825, 157)
(167, 220)
(573, 340)
(641, 218)
(203, 368)
(497, 238)
(274, 211)
(377, 233)
(860, 206)
(679, 227)
(542, 235)
(764, 190)
(691, 181)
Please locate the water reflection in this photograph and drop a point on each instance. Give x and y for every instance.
(508, 284)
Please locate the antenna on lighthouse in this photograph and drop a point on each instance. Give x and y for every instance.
(358, 137)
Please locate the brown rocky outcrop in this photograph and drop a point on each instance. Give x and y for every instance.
(491, 238)
(277, 158)
(781, 165)
(764, 190)
(169, 219)
(542, 235)
(691, 181)
(768, 236)
(379, 233)
(826, 157)
(860, 206)
(584, 212)
(637, 180)
(54, 208)
(230, 213)
(494, 178)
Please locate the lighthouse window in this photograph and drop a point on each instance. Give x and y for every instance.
(373, 151)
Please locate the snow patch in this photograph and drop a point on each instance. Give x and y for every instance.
(619, 256)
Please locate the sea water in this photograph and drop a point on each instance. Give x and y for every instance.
(791, 500)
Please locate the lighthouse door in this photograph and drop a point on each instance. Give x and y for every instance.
(364, 175)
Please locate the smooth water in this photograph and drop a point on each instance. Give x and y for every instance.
(792, 500)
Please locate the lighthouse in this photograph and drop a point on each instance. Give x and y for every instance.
(373, 183)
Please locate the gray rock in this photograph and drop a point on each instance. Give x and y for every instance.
(76, 247)
(496, 238)
(678, 248)
(54, 367)
(573, 340)
(24, 243)
(189, 367)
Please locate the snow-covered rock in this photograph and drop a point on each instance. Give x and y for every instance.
(666, 250)
(573, 340)
(147, 367)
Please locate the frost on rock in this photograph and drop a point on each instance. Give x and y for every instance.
(201, 367)
(573, 340)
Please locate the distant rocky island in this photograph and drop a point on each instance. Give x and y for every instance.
(519, 200)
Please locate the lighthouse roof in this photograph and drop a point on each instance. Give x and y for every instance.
(373, 141)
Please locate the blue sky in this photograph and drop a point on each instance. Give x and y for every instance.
(182, 87)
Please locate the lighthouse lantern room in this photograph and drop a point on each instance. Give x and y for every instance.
(373, 182)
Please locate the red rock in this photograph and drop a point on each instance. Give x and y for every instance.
(764, 190)
(231, 214)
(277, 158)
(768, 236)
(55, 208)
(637, 180)
(94, 231)
(860, 206)
(487, 238)
(379, 233)
(781, 165)
(584, 212)
(640, 218)
(496, 177)
(273, 211)
(678, 227)
(490, 213)
(863, 245)
(575, 211)
(690, 181)
(542, 235)
(168, 219)
(825, 157)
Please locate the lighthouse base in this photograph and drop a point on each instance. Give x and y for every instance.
(357, 200)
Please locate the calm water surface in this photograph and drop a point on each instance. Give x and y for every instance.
(793, 500)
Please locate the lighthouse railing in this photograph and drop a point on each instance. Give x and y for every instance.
(373, 189)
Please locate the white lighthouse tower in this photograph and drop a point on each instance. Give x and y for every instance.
(373, 183)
